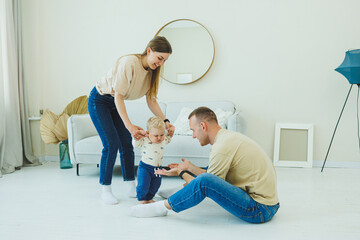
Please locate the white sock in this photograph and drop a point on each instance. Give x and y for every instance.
(167, 192)
(130, 189)
(107, 195)
(156, 209)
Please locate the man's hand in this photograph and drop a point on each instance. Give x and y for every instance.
(182, 166)
(172, 172)
(186, 165)
(175, 172)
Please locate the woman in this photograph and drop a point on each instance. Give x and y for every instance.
(132, 77)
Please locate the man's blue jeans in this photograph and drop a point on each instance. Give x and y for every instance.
(114, 137)
(231, 198)
(148, 182)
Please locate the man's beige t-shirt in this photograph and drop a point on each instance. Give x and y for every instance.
(128, 78)
(240, 161)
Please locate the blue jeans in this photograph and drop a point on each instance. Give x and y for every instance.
(114, 137)
(231, 198)
(148, 183)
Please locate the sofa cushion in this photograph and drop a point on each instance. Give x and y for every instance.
(181, 123)
(89, 145)
(184, 146)
(88, 150)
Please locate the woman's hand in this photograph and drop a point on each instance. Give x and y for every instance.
(136, 132)
(170, 129)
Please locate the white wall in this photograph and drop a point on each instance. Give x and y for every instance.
(274, 59)
(2, 105)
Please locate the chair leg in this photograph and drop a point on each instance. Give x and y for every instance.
(77, 169)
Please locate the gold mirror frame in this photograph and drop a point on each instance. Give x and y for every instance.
(187, 25)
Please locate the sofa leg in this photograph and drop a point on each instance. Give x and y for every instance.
(97, 165)
(77, 169)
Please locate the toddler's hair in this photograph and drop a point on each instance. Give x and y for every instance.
(155, 122)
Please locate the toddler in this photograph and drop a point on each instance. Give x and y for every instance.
(152, 151)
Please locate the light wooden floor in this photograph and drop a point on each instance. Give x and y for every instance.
(47, 202)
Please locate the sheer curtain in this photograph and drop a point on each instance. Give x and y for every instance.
(15, 138)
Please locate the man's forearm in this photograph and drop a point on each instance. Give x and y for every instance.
(187, 177)
(196, 170)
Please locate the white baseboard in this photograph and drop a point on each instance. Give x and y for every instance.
(49, 159)
(329, 164)
(332, 164)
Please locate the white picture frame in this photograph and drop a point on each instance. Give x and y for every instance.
(293, 145)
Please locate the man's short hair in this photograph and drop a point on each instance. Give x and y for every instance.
(204, 114)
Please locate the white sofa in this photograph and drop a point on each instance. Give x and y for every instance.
(85, 145)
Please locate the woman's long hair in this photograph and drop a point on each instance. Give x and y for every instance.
(157, 44)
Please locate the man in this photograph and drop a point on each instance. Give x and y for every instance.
(240, 177)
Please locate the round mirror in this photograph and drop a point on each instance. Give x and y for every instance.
(193, 51)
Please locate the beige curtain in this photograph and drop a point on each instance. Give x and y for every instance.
(15, 138)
